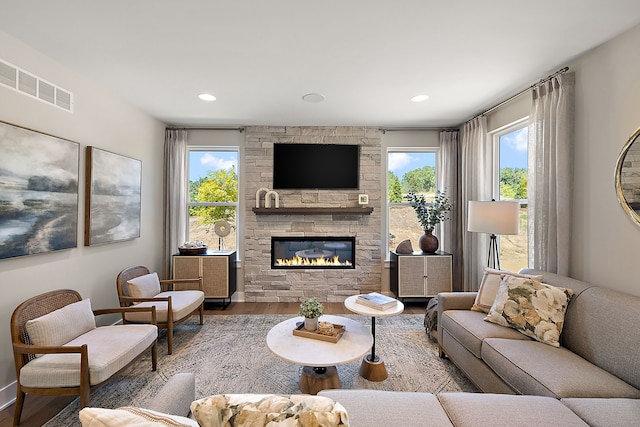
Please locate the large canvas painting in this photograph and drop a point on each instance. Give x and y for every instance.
(112, 205)
(38, 192)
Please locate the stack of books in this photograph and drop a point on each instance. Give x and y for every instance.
(377, 301)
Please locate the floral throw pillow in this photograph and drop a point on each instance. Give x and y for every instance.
(254, 410)
(535, 309)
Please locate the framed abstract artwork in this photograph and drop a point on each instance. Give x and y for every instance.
(113, 197)
(38, 192)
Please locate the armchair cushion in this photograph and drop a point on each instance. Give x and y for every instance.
(62, 325)
(110, 349)
(145, 286)
(183, 303)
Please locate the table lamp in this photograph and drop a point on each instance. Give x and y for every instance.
(494, 217)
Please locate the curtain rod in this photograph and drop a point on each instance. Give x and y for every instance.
(522, 92)
(438, 129)
(239, 129)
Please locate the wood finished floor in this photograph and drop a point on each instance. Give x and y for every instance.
(38, 409)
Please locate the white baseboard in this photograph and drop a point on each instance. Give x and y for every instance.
(237, 297)
(8, 395)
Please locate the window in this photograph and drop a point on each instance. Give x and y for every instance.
(213, 196)
(408, 170)
(512, 145)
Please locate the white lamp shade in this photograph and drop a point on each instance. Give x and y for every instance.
(495, 217)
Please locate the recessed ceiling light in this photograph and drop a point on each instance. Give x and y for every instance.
(207, 97)
(420, 98)
(313, 97)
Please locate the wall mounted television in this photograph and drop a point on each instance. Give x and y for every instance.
(316, 166)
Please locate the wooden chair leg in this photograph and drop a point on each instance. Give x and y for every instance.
(85, 393)
(170, 338)
(202, 314)
(154, 356)
(19, 404)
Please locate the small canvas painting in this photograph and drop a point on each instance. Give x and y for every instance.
(113, 200)
(38, 192)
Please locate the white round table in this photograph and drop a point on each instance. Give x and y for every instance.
(372, 367)
(319, 357)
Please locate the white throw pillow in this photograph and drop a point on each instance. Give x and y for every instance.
(147, 286)
(131, 417)
(489, 287)
(62, 325)
(535, 309)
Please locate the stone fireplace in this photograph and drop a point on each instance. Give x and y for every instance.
(317, 215)
(313, 252)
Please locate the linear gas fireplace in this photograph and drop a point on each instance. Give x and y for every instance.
(313, 252)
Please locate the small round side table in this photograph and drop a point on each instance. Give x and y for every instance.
(372, 367)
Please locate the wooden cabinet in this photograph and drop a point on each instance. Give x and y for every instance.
(217, 268)
(420, 275)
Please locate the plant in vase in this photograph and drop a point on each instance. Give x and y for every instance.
(429, 215)
(311, 309)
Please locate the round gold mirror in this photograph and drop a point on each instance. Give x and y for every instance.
(628, 177)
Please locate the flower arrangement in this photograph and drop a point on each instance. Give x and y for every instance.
(311, 308)
(430, 214)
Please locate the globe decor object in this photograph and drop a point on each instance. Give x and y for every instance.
(430, 214)
(311, 309)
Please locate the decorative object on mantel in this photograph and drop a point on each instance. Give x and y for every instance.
(311, 309)
(363, 199)
(193, 248)
(429, 215)
(404, 247)
(267, 198)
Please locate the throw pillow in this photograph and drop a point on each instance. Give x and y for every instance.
(253, 410)
(535, 309)
(489, 287)
(131, 417)
(146, 286)
(62, 325)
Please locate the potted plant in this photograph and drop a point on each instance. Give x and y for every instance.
(429, 215)
(311, 309)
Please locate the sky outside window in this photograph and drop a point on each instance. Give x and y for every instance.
(200, 162)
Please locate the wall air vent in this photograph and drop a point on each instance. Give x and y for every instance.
(24, 82)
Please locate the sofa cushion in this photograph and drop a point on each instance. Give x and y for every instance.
(254, 410)
(489, 287)
(533, 308)
(62, 325)
(534, 368)
(470, 330)
(183, 303)
(368, 408)
(110, 349)
(480, 410)
(145, 286)
(175, 396)
(606, 412)
(131, 417)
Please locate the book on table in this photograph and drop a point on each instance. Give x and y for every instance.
(377, 301)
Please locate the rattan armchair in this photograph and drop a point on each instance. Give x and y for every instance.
(54, 374)
(178, 300)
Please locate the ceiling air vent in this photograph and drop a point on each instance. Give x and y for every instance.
(33, 86)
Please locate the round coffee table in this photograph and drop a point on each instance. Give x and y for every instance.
(372, 367)
(319, 357)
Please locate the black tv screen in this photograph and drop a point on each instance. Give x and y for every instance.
(316, 166)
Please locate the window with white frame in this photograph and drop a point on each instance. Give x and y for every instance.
(408, 169)
(511, 146)
(213, 196)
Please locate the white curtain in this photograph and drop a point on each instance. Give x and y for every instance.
(476, 176)
(175, 194)
(448, 178)
(551, 136)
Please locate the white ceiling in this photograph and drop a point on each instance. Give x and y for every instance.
(367, 57)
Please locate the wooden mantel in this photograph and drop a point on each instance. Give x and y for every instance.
(313, 211)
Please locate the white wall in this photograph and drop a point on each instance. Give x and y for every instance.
(606, 242)
(102, 121)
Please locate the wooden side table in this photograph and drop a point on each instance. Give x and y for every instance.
(372, 367)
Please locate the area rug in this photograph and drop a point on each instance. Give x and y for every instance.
(228, 354)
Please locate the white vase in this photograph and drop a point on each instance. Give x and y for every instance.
(311, 324)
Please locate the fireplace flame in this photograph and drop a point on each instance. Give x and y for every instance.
(300, 261)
